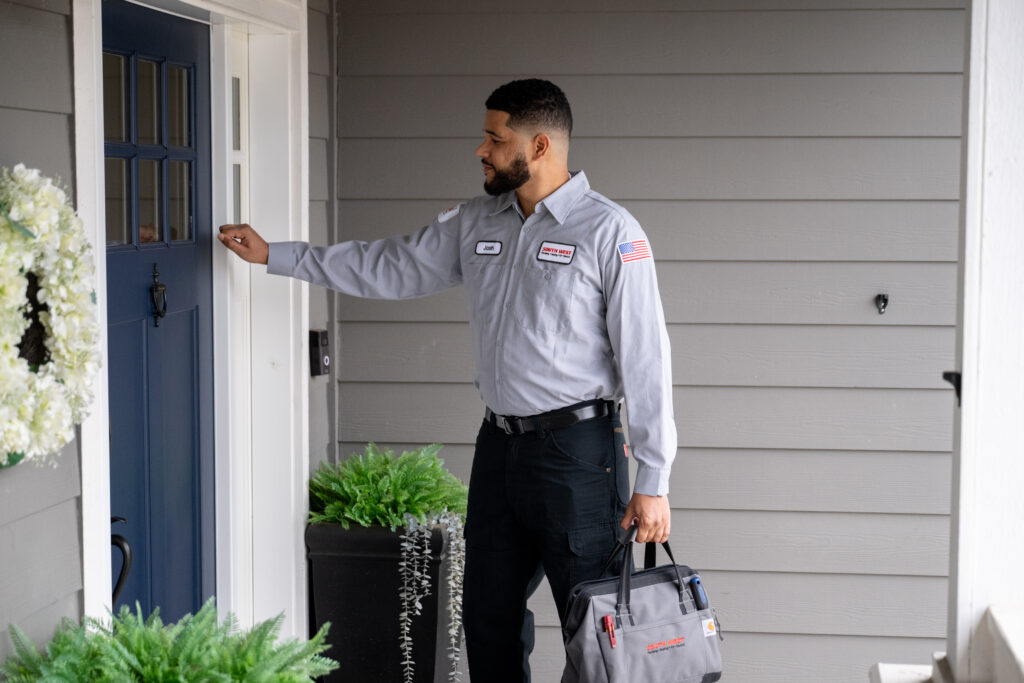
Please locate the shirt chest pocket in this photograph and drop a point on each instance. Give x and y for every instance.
(544, 298)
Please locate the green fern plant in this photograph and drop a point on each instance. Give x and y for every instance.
(376, 488)
(196, 648)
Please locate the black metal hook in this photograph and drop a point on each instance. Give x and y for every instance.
(121, 543)
(881, 302)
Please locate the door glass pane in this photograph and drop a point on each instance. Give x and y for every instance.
(149, 201)
(148, 88)
(117, 201)
(236, 172)
(236, 113)
(178, 106)
(115, 98)
(180, 198)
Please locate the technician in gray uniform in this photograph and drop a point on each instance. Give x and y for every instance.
(566, 322)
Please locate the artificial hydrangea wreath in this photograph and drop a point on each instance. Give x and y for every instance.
(49, 336)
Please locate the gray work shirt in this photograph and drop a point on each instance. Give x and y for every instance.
(563, 306)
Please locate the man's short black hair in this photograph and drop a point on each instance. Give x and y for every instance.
(533, 103)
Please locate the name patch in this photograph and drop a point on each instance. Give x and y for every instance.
(488, 248)
(556, 253)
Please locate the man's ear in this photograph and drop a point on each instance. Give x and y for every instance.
(541, 145)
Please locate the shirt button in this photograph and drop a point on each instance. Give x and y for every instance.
(547, 276)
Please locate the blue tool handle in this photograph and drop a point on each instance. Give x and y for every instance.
(699, 596)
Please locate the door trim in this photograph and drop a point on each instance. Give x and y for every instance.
(260, 397)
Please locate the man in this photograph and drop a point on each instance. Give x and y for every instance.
(566, 321)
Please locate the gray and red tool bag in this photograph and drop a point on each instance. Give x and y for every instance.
(649, 626)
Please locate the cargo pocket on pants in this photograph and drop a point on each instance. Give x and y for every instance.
(590, 549)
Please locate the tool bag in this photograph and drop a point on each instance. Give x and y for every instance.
(650, 626)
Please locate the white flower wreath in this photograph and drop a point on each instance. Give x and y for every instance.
(42, 239)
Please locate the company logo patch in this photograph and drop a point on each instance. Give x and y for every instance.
(709, 628)
(556, 253)
(449, 213)
(663, 645)
(488, 248)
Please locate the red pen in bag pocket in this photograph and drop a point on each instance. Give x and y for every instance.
(609, 627)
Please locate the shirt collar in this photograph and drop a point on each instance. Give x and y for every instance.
(558, 203)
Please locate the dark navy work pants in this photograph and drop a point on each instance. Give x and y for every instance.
(539, 504)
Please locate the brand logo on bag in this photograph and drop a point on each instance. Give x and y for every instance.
(664, 645)
(709, 628)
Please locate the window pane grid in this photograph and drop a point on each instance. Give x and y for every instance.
(149, 150)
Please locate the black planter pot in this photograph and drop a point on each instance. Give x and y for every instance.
(354, 583)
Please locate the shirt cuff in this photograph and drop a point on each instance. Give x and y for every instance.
(651, 481)
(280, 258)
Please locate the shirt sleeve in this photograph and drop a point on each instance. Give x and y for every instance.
(636, 329)
(405, 267)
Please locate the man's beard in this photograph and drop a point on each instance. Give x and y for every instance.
(514, 177)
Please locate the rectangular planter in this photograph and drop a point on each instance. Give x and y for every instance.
(354, 583)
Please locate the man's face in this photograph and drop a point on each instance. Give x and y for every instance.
(502, 154)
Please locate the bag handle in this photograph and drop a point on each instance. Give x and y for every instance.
(622, 598)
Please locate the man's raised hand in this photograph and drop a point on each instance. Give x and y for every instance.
(245, 242)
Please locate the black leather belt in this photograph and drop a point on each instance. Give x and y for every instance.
(556, 419)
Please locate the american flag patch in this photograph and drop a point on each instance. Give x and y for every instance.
(637, 250)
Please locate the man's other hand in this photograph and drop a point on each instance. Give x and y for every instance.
(654, 515)
(245, 242)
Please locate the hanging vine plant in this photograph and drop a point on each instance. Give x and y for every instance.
(411, 494)
(49, 336)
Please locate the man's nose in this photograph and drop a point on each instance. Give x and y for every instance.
(481, 151)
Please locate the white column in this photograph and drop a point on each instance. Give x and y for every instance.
(987, 550)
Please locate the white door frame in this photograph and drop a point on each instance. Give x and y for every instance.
(260, 345)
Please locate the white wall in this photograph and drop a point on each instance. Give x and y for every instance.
(788, 166)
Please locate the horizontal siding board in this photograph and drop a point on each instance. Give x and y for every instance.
(782, 480)
(318, 223)
(318, 190)
(808, 293)
(818, 542)
(319, 43)
(529, 6)
(827, 604)
(27, 63)
(829, 105)
(750, 292)
(677, 168)
(710, 355)
(812, 481)
(734, 230)
(56, 6)
(41, 625)
(319, 113)
(798, 418)
(783, 658)
(654, 42)
(27, 489)
(810, 355)
(38, 140)
(42, 560)
(706, 417)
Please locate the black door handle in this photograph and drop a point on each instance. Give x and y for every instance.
(158, 293)
(121, 543)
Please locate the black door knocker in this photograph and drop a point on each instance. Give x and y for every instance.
(158, 293)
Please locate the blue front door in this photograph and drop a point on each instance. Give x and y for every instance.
(156, 95)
